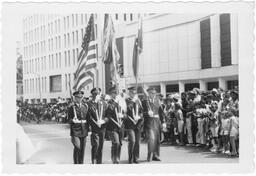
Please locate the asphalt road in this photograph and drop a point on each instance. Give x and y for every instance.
(53, 145)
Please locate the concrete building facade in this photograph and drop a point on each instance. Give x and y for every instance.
(181, 52)
(51, 45)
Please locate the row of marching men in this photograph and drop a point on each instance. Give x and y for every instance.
(110, 116)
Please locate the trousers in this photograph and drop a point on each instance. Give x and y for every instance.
(116, 139)
(189, 130)
(78, 152)
(134, 136)
(153, 135)
(97, 141)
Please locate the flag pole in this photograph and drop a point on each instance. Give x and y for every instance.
(97, 50)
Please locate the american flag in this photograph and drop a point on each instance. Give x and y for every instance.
(87, 60)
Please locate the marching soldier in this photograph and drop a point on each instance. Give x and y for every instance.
(114, 116)
(77, 114)
(97, 123)
(133, 124)
(152, 123)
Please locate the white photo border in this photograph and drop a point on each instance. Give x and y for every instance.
(246, 82)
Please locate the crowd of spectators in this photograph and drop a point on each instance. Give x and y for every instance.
(47, 112)
(203, 119)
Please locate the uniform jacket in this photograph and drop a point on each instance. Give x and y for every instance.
(93, 106)
(78, 129)
(110, 113)
(128, 124)
(147, 104)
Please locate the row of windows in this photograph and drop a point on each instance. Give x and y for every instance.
(35, 85)
(34, 35)
(39, 85)
(35, 20)
(35, 49)
(55, 43)
(54, 27)
(54, 61)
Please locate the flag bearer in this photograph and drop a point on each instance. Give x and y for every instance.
(97, 122)
(133, 125)
(77, 114)
(152, 123)
(114, 115)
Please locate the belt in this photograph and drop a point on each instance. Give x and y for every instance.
(155, 116)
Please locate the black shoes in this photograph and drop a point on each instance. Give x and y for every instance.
(156, 158)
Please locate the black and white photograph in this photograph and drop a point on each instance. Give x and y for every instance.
(131, 87)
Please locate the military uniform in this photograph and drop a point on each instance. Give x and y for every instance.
(133, 128)
(115, 129)
(78, 131)
(98, 131)
(152, 125)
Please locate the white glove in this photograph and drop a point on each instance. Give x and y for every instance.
(150, 113)
(120, 115)
(101, 122)
(136, 118)
(75, 120)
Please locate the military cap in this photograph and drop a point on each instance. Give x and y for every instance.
(132, 88)
(113, 90)
(151, 89)
(95, 89)
(77, 92)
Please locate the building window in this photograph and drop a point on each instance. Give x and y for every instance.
(82, 19)
(60, 60)
(232, 84)
(67, 22)
(76, 19)
(55, 83)
(66, 84)
(82, 33)
(73, 38)
(73, 18)
(74, 59)
(212, 85)
(116, 16)
(131, 16)
(76, 37)
(68, 58)
(52, 61)
(124, 17)
(65, 44)
(77, 54)
(225, 39)
(59, 42)
(172, 88)
(64, 21)
(68, 40)
(44, 62)
(191, 86)
(57, 60)
(65, 55)
(205, 30)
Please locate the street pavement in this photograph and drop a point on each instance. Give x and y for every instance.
(53, 146)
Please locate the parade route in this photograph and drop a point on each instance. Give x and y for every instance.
(53, 145)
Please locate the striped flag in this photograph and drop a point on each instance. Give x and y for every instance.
(87, 60)
(137, 50)
(111, 54)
